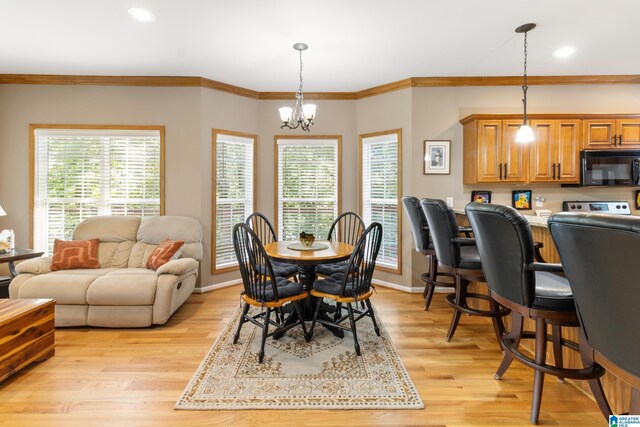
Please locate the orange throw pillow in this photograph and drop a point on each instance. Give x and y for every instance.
(72, 254)
(163, 253)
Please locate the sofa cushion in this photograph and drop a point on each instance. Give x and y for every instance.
(115, 254)
(63, 287)
(75, 254)
(124, 287)
(164, 253)
(108, 228)
(155, 229)
(140, 253)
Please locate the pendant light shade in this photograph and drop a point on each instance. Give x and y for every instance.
(525, 133)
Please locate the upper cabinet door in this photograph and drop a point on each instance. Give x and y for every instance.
(628, 131)
(489, 150)
(542, 158)
(515, 156)
(568, 151)
(599, 134)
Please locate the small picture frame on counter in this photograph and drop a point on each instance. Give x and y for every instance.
(637, 199)
(481, 196)
(521, 199)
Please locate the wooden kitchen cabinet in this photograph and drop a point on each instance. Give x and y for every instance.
(492, 154)
(607, 134)
(555, 152)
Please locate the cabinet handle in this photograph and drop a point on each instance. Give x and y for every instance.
(558, 170)
(614, 140)
(500, 166)
(553, 171)
(620, 140)
(505, 171)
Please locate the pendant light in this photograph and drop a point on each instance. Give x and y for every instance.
(300, 115)
(525, 133)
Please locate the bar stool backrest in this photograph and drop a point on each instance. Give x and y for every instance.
(418, 222)
(443, 228)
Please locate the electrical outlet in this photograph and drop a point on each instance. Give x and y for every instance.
(450, 202)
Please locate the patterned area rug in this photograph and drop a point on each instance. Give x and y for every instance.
(325, 373)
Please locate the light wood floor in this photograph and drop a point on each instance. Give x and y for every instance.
(134, 377)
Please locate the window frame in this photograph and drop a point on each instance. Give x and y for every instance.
(361, 138)
(32, 157)
(214, 138)
(338, 138)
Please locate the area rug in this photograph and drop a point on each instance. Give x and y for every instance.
(325, 373)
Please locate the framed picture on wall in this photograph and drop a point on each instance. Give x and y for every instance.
(521, 199)
(437, 159)
(481, 196)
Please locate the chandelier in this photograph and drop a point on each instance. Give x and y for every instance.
(300, 115)
(525, 133)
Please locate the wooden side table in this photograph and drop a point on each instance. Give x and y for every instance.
(11, 257)
(27, 333)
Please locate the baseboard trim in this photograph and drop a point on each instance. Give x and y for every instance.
(215, 286)
(407, 289)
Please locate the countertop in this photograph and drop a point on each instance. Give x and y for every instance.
(534, 221)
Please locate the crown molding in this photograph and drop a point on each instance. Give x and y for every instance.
(179, 81)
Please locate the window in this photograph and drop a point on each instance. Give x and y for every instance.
(381, 172)
(307, 183)
(233, 181)
(82, 171)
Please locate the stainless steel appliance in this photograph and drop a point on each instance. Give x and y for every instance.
(614, 208)
(610, 167)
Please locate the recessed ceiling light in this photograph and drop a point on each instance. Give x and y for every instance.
(564, 52)
(142, 15)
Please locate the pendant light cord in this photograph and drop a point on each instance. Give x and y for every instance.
(524, 86)
(300, 90)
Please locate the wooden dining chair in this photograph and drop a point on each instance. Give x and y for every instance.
(261, 225)
(347, 228)
(263, 289)
(349, 289)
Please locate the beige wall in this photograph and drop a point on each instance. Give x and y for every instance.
(189, 114)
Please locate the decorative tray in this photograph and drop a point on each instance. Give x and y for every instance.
(316, 246)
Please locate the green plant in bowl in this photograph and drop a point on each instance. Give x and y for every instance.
(307, 239)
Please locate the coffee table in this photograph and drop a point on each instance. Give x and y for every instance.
(27, 333)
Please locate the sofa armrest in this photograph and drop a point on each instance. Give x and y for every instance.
(40, 265)
(178, 267)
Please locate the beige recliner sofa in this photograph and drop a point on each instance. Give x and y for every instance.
(122, 293)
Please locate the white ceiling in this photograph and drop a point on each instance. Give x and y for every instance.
(353, 44)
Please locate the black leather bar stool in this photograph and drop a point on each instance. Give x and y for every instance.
(530, 289)
(423, 245)
(458, 256)
(599, 255)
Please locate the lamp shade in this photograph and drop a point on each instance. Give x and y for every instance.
(285, 114)
(2, 212)
(525, 134)
(309, 111)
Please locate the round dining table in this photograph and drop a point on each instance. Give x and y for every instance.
(307, 261)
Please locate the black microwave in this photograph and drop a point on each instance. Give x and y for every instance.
(610, 167)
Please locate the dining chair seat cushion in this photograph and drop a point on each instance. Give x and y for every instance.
(332, 269)
(470, 258)
(552, 292)
(332, 285)
(280, 269)
(283, 269)
(286, 289)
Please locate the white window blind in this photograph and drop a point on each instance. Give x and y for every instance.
(81, 173)
(234, 192)
(307, 187)
(380, 192)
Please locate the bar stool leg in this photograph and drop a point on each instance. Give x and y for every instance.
(556, 338)
(514, 336)
(538, 376)
(461, 297)
(586, 354)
